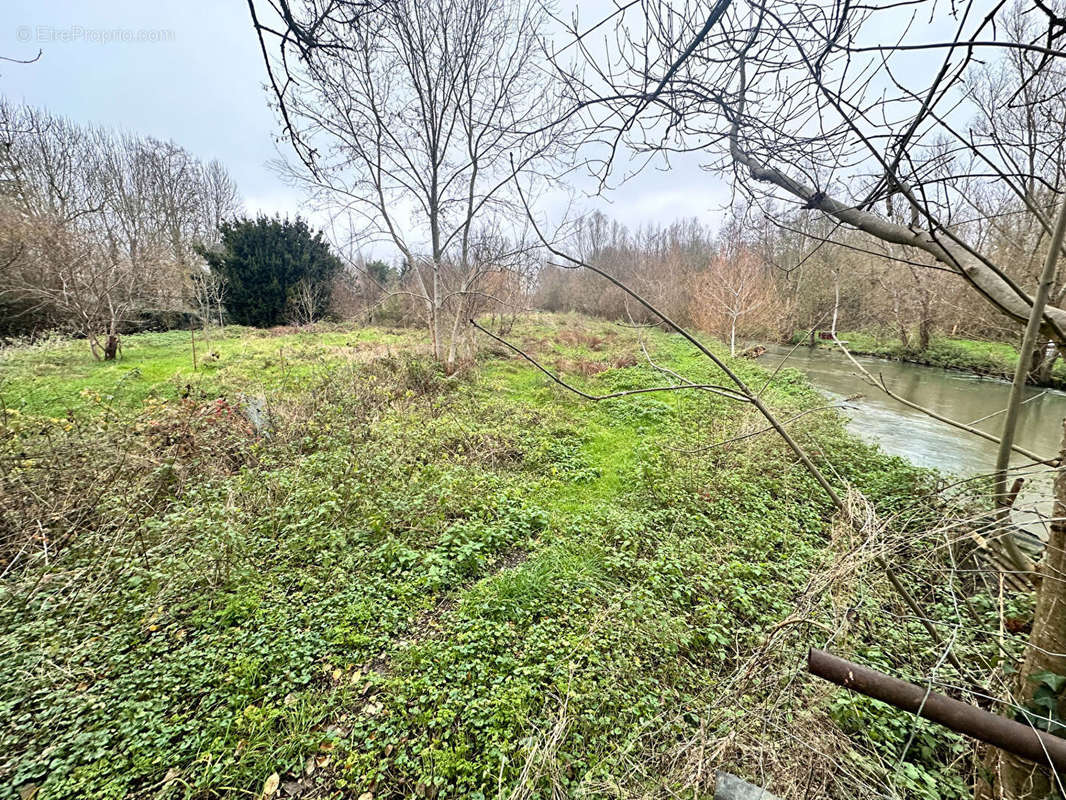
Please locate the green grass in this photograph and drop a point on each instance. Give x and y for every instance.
(414, 584)
(995, 359)
(59, 376)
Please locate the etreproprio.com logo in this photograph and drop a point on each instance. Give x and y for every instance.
(64, 34)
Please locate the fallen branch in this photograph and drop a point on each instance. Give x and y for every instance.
(1006, 734)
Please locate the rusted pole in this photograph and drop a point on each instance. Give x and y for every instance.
(1014, 737)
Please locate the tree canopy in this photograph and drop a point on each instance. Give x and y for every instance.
(265, 261)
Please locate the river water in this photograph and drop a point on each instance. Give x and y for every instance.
(923, 440)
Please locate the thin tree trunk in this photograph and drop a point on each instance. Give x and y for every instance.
(1017, 389)
(836, 302)
(901, 324)
(925, 324)
(449, 364)
(111, 346)
(1044, 357)
(434, 318)
(1012, 777)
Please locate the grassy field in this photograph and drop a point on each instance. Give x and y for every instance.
(995, 359)
(412, 584)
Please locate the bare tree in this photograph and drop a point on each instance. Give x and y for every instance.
(219, 200)
(804, 101)
(305, 300)
(58, 264)
(405, 119)
(745, 79)
(51, 221)
(1047, 644)
(734, 288)
(107, 221)
(1021, 126)
(663, 262)
(210, 292)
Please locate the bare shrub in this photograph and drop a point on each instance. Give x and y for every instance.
(90, 478)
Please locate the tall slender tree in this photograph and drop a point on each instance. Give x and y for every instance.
(412, 117)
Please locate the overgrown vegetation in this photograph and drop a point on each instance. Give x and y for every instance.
(98, 227)
(320, 567)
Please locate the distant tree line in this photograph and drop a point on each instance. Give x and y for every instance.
(105, 232)
(715, 278)
(896, 221)
(99, 228)
(768, 273)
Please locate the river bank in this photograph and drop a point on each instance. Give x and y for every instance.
(988, 359)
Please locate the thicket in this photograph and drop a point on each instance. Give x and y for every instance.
(98, 227)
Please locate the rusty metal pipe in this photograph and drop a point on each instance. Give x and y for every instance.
(1006, 734)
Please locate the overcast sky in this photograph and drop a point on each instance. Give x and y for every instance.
(197, 79)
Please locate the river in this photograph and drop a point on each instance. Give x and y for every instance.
(921, 439)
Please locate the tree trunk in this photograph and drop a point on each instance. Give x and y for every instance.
(836, 302)
(1044, 357)
(431, 323)
(925, 327)
(904, 336)
(435, 310)
(1017, 389)
(94, 345)
(925, 314)
(1013, 778)
(901, 323)
(453, 338)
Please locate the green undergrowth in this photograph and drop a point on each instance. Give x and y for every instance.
(994, 359)
(412, 584)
